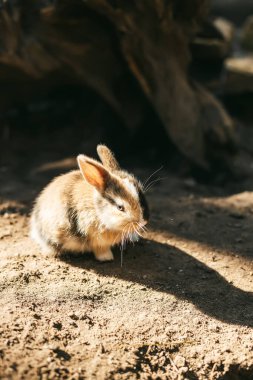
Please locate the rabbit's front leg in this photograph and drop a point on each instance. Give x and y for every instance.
(103, 254)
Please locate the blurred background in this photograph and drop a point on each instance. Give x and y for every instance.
(160, 82)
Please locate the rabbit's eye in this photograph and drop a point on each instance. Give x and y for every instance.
(120, 208)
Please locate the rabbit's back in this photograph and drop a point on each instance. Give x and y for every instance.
(50, 220)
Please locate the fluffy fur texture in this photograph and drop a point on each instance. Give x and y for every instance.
(90, 209)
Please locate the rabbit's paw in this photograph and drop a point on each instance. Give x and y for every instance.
(104, 255)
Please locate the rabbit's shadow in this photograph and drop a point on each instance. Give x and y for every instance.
(170, 270)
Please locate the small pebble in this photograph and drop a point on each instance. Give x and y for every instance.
(179, 361)
(183, 369)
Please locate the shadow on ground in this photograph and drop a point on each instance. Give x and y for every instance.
(168, 269)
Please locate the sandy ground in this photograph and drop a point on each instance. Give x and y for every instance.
(181, 307)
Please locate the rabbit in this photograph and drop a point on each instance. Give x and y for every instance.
(90, 209)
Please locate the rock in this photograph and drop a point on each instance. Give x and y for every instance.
(246, 35)
(214, 41)
(183, 370)
(179, 361)
(238, 75)
(226, 29)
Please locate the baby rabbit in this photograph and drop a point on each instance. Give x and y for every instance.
(90, 209)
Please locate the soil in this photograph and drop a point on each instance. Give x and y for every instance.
(180, 307)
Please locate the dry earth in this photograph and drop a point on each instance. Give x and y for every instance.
(181, 307)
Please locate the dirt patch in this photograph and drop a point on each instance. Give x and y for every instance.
(181, 307)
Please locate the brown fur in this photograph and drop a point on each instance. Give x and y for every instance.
(79, 212)
(107, 158)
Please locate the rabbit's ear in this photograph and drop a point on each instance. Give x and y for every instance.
(93, 172)
(107, 158)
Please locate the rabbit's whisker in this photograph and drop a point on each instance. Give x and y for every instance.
(148, 187)
(122, 236)
(128, 234)
(125, 236)
(137, 231)
(146, 182)
(122, 249)
(143, 228)
(140, 228)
